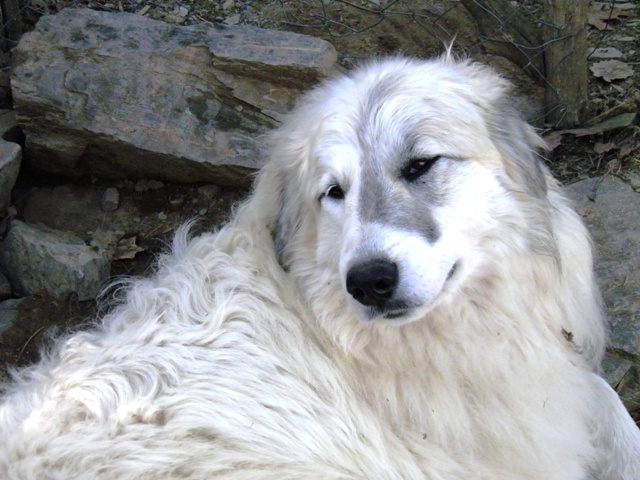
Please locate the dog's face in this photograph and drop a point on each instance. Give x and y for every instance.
(406, 177)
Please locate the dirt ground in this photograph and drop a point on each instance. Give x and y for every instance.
(573, 158)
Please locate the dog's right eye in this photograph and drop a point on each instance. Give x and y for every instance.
(335, 192)
(416, 167)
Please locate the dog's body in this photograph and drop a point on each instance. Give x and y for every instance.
(406, 295)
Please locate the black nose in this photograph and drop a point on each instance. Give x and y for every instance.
(373, 282)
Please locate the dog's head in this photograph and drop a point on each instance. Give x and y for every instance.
(399, 182)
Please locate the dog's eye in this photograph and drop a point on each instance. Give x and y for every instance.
(335, 192)
(416, 167)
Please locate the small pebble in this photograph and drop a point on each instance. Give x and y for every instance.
(209, 191)
(162, 216)
(110, 200)
(232, 19)
(203, 211)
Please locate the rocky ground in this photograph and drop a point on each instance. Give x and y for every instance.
(149, 211)
(148, 215)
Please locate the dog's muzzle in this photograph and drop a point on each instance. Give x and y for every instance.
(373, 283)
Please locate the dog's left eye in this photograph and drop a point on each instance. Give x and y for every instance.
(416, 167)
(335, 192)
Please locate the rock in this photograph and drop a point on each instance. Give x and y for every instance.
(117, 95)
(208, 191)
(37, 259)
(110, 200)
(5, 287)
(9, 313)
(233, 19)
(612, 210)
(10, 158)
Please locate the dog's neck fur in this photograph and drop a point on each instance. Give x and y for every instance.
(540, 287)
(430, 365)
(430, 362)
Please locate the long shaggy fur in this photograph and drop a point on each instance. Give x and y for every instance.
(244, 357)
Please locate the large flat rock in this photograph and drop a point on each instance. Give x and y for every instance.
(611, 208)
(119, 95)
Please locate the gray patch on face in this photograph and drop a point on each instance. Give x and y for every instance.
(379, 202)
(407, 207)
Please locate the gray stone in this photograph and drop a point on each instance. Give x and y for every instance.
(118, 95)
(612, 210)
(9, 313)
(10, 158)
(110, 200)
(233, 19)
(5, 287)
(208, 191)
(38, 259)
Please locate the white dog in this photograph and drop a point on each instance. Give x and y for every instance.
(406, 295)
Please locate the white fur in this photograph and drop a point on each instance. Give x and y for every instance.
(244, 357)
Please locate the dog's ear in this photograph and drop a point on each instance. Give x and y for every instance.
(518, 144)
(287, 223)
(516, 141)
(273, 196)
(287, 174)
